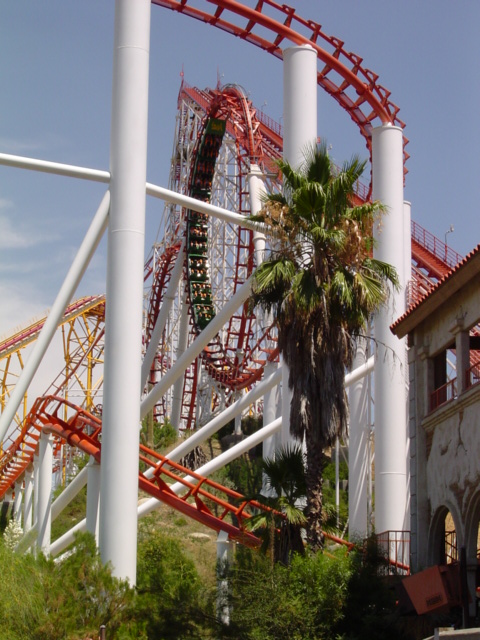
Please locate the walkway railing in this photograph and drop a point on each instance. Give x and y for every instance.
(438, 248)
(443, 394)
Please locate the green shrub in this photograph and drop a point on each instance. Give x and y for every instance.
(171, 600)
(303, 601)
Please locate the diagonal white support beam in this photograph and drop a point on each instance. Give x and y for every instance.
(195, 348)
(68, 288)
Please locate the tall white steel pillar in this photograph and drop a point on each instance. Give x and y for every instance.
(36, 482)
(123, 323)
(256, 189)
(358, 444)
(299, 133)
(17, 504)
(28, 501)
(93, 497)
(390, 369)
(44, 490)
(177, 396)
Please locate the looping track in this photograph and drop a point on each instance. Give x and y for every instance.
(271, 26)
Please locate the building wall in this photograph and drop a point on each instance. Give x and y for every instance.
(444, 443)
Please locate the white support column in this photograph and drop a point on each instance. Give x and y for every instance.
(123, 324)
(93, 497)
(28, 500)
(17, 504)
(358, 444)
(407, 243)
(44, 489)
(36, 482)
(299, 102)
(73, 277)
(390, 369)
(256, 188)
(270, 413)
(299, 133)
(177, 396)
(224, 560)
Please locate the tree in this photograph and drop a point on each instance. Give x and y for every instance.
(322, 285)
(282, 524)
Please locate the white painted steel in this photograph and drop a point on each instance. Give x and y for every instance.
(358, 443)
(299, 102)
(203, 207)
(64, 541)
(28, 501)
(44, 166)
(218, 462)
(235, 409)
(359, 372)
(225, 550)
(70, 491)
(68, 288)
(299, 133)
(256, 188)
(125, 263)
(44, 488)
(177, 396)
(197, 346)
(17, 503)
(390, 373)
(270, 410)
(93, 498)
(149, 505)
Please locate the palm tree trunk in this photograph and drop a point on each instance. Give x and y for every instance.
(314, 479)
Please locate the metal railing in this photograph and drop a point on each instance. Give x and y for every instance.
(472, 376)
(396, 547)
(435, 246)
(443, 394)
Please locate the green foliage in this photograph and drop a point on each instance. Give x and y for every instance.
(164, 434)
(67, 518)
(43, 600)
(303, 601)
(171, 602)
(285, 482)
(369, 610)
(21, 595)
(317, 597)
(245, 474)
(80, 593)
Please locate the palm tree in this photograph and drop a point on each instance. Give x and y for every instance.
(281, 525)
(322, 286)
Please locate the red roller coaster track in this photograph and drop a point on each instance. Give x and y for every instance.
(271, 26)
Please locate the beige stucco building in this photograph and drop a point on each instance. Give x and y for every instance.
(444, 424)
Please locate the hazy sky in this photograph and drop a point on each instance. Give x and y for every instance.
(55, 72)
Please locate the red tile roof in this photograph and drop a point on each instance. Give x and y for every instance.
(447, 285)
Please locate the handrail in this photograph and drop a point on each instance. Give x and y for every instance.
(436, 247)
(472, 376)
(446, 393)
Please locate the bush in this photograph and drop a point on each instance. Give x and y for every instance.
(44, 600)
(303, 601)
(171, 601)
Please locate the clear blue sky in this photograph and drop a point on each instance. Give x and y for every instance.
(55, 71)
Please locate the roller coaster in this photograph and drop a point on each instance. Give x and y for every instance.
(200, 263)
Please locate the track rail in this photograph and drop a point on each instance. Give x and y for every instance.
(272, 26)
